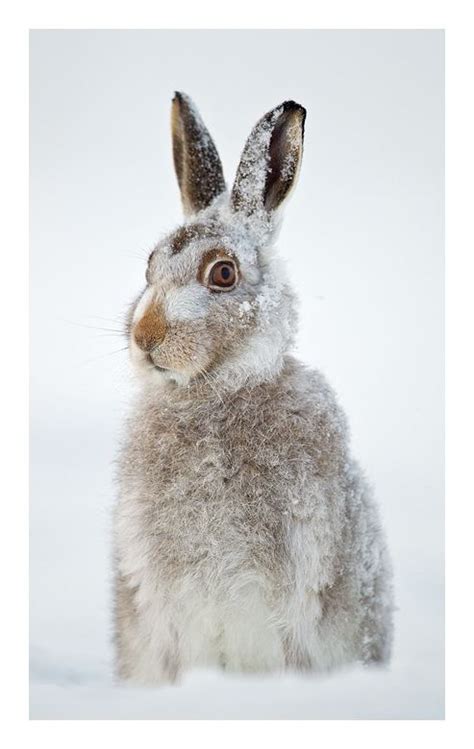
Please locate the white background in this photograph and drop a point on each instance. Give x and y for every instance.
(364, 243)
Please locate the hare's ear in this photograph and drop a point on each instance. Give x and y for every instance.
(270, 161)
(196, 161)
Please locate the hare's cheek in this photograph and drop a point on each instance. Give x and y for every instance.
(246, 315)
(187, 304)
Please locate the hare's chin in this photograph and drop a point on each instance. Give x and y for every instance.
(155, 373)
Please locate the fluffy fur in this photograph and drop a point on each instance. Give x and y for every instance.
(245, 535)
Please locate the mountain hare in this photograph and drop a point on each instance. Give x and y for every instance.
(245, 535)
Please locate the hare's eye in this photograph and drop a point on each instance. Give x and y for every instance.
(223, 275)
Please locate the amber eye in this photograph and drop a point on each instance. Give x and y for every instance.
(223, 275)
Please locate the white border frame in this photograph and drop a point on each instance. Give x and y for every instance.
(454, 17)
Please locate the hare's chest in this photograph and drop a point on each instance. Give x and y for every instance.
(188, 459)
(203, 501)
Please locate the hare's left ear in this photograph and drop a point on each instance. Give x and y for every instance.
(196, 161)
(270, 162)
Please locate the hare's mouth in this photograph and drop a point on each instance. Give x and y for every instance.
(155, 366)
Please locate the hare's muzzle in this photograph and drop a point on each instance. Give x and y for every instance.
(150, 330)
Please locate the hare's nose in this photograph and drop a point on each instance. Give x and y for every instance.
(150, 330)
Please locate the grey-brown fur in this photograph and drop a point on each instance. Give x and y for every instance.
(246, 536)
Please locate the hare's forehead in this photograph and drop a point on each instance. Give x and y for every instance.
(181, 254)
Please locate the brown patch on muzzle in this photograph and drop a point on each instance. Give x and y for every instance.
(150, 329)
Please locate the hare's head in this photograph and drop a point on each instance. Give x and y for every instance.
(216, 302)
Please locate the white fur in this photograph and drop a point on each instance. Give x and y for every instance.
(189, 302)
(145, 301)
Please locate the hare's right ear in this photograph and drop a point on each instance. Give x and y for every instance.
(196, 161)
(270, 162)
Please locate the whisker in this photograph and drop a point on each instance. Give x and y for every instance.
(139, 254)
(92, 327)
(119, 319)
(103, 356)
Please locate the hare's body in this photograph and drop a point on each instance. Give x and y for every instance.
(246, 537)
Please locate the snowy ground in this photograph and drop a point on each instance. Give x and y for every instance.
(363, 240)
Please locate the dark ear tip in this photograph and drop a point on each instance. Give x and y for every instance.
(180, 98)
(293, 106)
